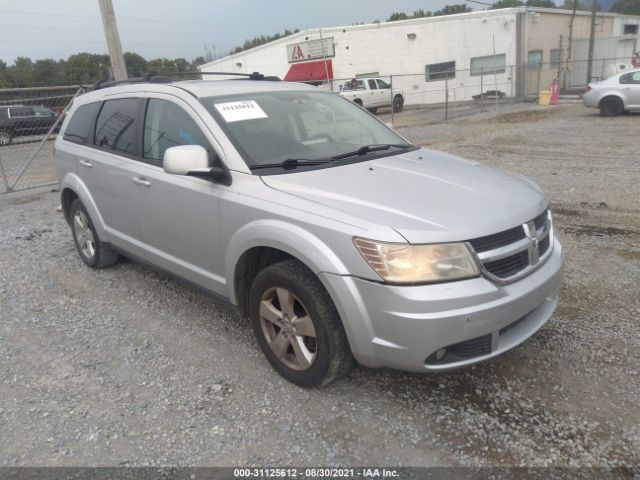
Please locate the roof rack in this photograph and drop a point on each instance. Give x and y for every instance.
(166, 78)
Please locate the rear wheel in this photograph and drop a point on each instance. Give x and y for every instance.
(297, 325)
(398, 103)
(6, 137)
(611, 107)
(91, 249)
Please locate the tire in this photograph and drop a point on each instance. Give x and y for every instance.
(358, 102)
(302, 359)
(93, 252)
(398, 103)
(611, 107)
(6, 137)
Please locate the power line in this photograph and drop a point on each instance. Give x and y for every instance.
(67, 29)
(184, 22)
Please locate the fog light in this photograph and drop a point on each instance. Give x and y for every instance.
(440, 354)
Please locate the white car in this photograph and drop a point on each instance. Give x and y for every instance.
(372, 93)
(615, 95)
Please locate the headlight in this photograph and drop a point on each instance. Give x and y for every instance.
(404, 263)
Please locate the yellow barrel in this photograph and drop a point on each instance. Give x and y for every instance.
(544, 97)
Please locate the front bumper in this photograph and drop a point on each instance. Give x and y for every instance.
(407, 327)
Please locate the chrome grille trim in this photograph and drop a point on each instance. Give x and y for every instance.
(543, 228)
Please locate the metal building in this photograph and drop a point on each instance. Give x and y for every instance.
(514, 51)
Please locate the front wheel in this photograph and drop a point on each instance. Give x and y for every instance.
(6, 137)
(92, 251)
(297, 325)
(611, 107)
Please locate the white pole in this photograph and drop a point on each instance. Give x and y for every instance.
(324, 56)
(113, 40)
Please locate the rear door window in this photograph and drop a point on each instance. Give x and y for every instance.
(81, 124)
(372, 84)
(21, 112)
(116, 128)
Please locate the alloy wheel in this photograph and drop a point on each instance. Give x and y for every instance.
(84, 234)
(288, 328)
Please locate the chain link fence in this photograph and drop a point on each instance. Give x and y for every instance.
(444, 94)
(30, 119)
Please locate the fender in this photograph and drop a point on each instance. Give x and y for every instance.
(611, 93)
(284, 236)
(73, 182)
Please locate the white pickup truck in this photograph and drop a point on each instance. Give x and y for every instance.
(372, 93)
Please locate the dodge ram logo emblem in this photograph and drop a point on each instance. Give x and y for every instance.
(532, 234)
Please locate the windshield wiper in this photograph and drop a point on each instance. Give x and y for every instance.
(370, 148)
(290, 163)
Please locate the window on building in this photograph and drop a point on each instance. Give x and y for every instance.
(488, 65)
(534, 59)
(81, 124)
(630, 29)
(167, 125)
(555, 57)
(440, 71)
(116, 126)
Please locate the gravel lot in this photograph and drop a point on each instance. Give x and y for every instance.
(127, 367)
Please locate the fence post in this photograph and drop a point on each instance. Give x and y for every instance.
(5, 180)
(446, 99)
(392, 109)
(481, 83)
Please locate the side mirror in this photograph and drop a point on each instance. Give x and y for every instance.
(193, 160)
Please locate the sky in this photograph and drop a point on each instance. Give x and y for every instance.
(175, 28)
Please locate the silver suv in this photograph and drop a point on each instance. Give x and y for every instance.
(331, 233)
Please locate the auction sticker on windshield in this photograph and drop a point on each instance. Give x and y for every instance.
(239, 111)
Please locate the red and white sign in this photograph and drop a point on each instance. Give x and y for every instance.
(313, 49)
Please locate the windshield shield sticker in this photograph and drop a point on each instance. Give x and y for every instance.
(239, 111)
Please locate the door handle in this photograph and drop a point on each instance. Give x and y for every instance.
(86, 163)
(141, 181)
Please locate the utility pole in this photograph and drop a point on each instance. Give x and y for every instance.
(592, 39)
(113, 40)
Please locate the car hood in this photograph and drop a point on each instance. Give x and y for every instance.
(426, 196)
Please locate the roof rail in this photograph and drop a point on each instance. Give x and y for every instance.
(166, 78)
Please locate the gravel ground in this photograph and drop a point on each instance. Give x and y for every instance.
(127, 367)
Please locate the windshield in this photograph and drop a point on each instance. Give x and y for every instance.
(269, 128)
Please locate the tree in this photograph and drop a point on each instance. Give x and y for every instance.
(541, 3)
(398, 16)
(627, 7)
(136, 64)
(446, 10)
(196, 62)
(506, 4)
(261, 40)
(48, 71)
(453, 9)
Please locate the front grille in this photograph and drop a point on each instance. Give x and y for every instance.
(543, 246)
(506, 267)
(540, 220)
(497, 240)
(506, 254)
